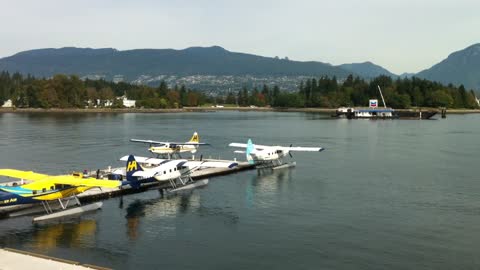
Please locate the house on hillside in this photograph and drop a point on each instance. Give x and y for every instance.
(99, 103)
(7, 104)
(108, 103)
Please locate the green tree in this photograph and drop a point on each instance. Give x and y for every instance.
(440, 98)
(230, 99)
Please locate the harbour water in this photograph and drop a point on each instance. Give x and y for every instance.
(387, 194)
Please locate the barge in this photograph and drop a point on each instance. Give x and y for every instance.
(382, 113)
(374, 112)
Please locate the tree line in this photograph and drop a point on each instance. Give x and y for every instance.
(63, 91)
(325, 92)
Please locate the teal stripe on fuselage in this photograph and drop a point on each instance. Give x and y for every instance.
(16, 190)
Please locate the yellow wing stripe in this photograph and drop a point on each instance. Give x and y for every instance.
(47, 180)
(85, 182)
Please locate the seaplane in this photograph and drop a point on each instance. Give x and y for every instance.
(177, 172)
(43, 188)
(172, 149)
(263, 156)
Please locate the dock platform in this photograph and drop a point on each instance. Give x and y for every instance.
(96, 194)
(13, 259)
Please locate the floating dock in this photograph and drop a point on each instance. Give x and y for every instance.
(96, 194)
(17, 259)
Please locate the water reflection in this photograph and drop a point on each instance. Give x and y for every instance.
(73, 232)
(267, 183)
(162, 207)
(319, 116)
(78, 234)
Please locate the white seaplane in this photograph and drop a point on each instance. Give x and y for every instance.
(176, 171)
(172, 149)
(264, 156)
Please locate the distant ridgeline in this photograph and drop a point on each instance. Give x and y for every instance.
(212, 69)
(63, 91)
(217, 70)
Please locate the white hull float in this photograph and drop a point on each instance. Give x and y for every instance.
(196, 184)
(71, 211)
(286, 165)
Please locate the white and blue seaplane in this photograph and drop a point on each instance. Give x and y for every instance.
(264, 156)
(142, 170)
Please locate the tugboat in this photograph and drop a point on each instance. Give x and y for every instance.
(373, 112)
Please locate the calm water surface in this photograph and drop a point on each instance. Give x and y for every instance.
(384, 195)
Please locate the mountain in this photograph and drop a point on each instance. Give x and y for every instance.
(461, 67)
(367, 70)
(132, 64)
(407, 75)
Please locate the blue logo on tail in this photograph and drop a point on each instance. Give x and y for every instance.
(132, 167)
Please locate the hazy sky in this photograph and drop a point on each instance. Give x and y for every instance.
(400, 35)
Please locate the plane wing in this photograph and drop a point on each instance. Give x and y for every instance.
(84, 182)
(146, 160)
(261, 147)
(244, 145)
(169, 143)
(26, 175)
(59, 179)
(305, 149)
(187, 163)
(188, 143)
(147, 141)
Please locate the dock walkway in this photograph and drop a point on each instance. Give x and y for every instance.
(13, 259)
(97, 193)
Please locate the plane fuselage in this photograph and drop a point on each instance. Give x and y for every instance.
(268, 154)
(26, 195)
(170, 149)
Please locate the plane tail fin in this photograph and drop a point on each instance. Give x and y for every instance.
(132, 167)
(250, 149)
(195, 138)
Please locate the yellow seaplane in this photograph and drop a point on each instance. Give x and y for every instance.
(42, 188)
(171, 149)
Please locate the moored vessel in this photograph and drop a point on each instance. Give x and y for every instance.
(374, 112)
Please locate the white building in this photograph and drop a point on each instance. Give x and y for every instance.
(127, 102)
(7, 104)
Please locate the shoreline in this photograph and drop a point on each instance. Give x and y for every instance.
(205, 109)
